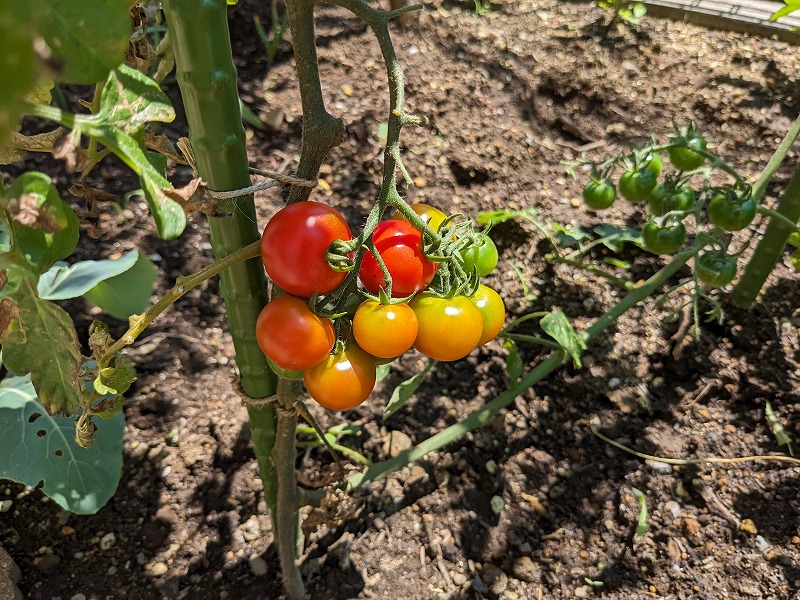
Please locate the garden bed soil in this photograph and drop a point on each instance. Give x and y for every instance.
(510, 95)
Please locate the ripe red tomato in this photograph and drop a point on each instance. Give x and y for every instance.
(449, 328)
(400, 246)
(342, 380)
(292, 336)
(493, 312)
(384, 330)
(294, 244)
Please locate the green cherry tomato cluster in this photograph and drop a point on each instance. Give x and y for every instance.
(717, 211)
(335, 352)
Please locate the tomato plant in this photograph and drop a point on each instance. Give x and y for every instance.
(343, 380)
(384, 330)
(715, 269)
(294, 245)
(664, 199)
(599, 194)
(449, 328)
(400, 247)
(663, 239)
(730, 211)
(653, 163)
(292, 336)
(684, 158)
(482, 257)
(493, 312)
(635, 185)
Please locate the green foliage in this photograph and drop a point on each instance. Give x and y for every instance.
(272, 39)
(557, 325)
(18, 63)
(64, 281)
(405, 390)
(790, 6)
(36, 447)
(624, 10)
(127, 293)
(641, 523)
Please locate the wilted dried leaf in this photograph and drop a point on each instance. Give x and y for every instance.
(193, 198)
(26, 211)
(3, 279)
(92, 195)
(9, 311)
(185, 148)
(69, 149)
(163, 145)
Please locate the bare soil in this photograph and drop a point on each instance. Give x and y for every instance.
(510, 95)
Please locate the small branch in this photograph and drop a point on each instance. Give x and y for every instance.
(138, 323)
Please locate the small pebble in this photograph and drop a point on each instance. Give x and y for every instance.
(258, 565)
(658, 466)
(159, 569)
(108, 541)
(498, 504)
(5, 505)
(78, 596)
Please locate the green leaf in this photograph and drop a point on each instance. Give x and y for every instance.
(18, 64)
(513, 361)
(87, 38)
(36, 447)
(495, 217)
(249, 117)
(791, 6)
(41, 340)
(614, 237)
(382, 371)
(569, 235)
(557, 325)
(641, 525)
(405, 390)
(128, 293)
(131, 99)
(44, 228)
(168, 214)
(795, 258)
(114, 380)
(65, 281)
(794, 239)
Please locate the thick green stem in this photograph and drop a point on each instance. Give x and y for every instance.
(207, 78)
(321, 130)
(287, 518)
(771, 246)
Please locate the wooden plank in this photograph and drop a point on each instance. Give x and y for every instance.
(748, 16)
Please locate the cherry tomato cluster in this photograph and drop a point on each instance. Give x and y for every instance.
(336, 353)
(668, 202)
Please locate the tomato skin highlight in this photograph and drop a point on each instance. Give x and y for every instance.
(652, 162)
(482, 257)
(292, 336)
(492, 309)
(385, 330)
(294, 244)
(449, 328)
(343, 380)
(400, 246)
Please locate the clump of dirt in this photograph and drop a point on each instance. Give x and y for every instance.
(533, 505)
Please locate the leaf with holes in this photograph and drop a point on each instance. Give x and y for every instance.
(36, 447)
(40, 339)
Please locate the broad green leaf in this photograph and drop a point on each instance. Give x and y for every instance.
(41, 340)
(381, 372)
(168, 214)
(614, 237)
(114, 380)
(43, 227)
(88, 38)
(35, 447)
(494, 217)
(557, 326)
(405, 390)
(18, 64)
(65, 281)
(791, 6)
(128, 293)
(513, 362)
(131, 99)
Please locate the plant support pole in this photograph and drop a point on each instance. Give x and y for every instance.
(207, 78)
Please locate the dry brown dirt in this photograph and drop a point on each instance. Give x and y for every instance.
(510, 96)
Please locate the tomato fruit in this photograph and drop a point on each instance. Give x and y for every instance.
(684, 158)
(482, 257)
(731, 213)
(400, 246)
(449, 328)
(342, 380)
(431, 215)
(294, 244)
(715, 269)
(493, 312)
(599, 194)
(636, 185)
(663, 239)
(292, 336)
(384, 330)
(652, 162)
(663, 200)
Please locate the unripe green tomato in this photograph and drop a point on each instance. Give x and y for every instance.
(652, 162)
(731, 213)
(636, 185)
(482, 257)
(599, 194)
(684, 158)
(715, 269)
(663, 240)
